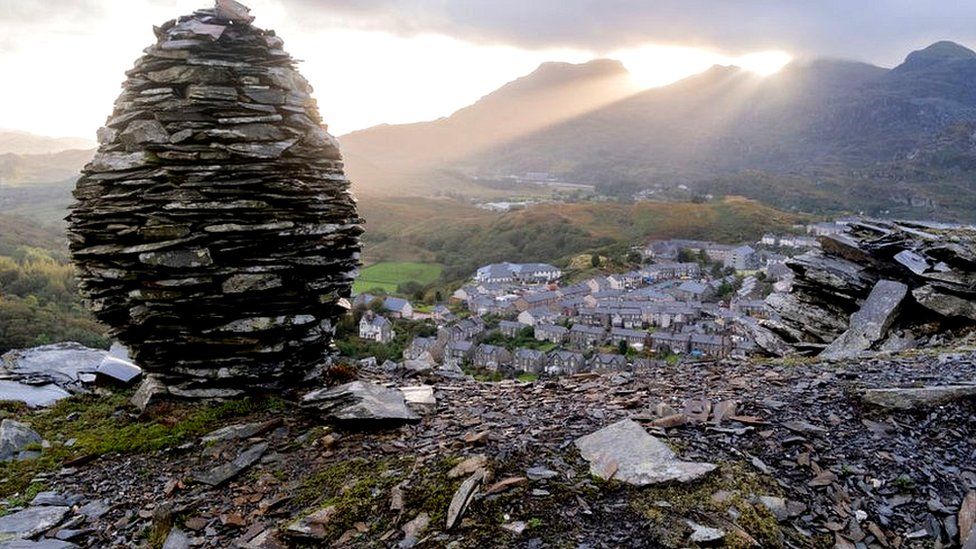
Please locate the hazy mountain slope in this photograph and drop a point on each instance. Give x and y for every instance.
(552, 93)
(18, 142)
(822, 115)
(23, 169)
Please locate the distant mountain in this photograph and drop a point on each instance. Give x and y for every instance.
(810, 116)
(553, 93)
(18, 142)
(842, 124)
(26, 169)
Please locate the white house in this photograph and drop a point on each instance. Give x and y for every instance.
(376, 328)
(518, 272)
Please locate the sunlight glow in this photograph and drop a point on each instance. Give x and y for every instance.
(655, 65)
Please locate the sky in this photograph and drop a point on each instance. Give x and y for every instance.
(396, 61)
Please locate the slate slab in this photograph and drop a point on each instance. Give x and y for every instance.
(624, 451)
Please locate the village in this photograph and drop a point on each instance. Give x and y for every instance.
(690, 300)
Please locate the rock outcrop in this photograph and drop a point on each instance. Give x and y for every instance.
(214, 232)
(850, 296)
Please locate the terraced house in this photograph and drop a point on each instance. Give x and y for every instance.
(636, 339)
(584, 336)
(565, 362)
(550, 332)
(492, 357)
(529, 361)
(518, 272)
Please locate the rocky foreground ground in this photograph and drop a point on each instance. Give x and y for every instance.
(805, 455)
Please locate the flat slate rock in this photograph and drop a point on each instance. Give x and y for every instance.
(32, 521)
(920, 397)
(224, 472)
(15, 438)
(35, 396)
(624, 451)
(39, 544)
(361, 401)
(62, 362)
(462, 497)
(117, 371)
(870, 323)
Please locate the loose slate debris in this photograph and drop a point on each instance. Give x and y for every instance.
(936, 263)
(361, 402)
(625, 452)
(879, 479)
(214, 232)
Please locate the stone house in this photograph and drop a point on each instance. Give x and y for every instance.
(565, 362)
(670, 342)
(375, 327)
(458, 353)
(492, 357)
(467, 329)
(550, 332)
(594, 316)
(540, 300)
(509, 328)
(694, 291)
(419, 346)
(636, 339)
(537, 316)
(717, 346)
(529, 360)
(755, 308)
(586, 336)
(626, 318)
(741, 258)
(398, 307)
(671, 270)
(607, 362)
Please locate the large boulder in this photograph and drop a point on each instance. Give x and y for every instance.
(624, 451)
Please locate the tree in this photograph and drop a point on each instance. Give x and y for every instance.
(595, 260)
(622, 347)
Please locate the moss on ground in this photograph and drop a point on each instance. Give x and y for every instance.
(98, 425)
(359, 490)
(668, 506)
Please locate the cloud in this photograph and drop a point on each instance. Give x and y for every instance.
(27, 12)
(879, 30)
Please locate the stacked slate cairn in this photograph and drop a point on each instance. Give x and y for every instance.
(880, 286)
(214, 232)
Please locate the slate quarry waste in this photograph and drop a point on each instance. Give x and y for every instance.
(879, 286)
(214, 231)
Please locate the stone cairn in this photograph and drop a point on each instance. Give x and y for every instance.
(214, 232)
(881, 285)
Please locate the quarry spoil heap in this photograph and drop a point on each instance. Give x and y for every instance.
(214, 232)
(879, 286)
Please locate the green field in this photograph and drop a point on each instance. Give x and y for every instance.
(388, 275)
